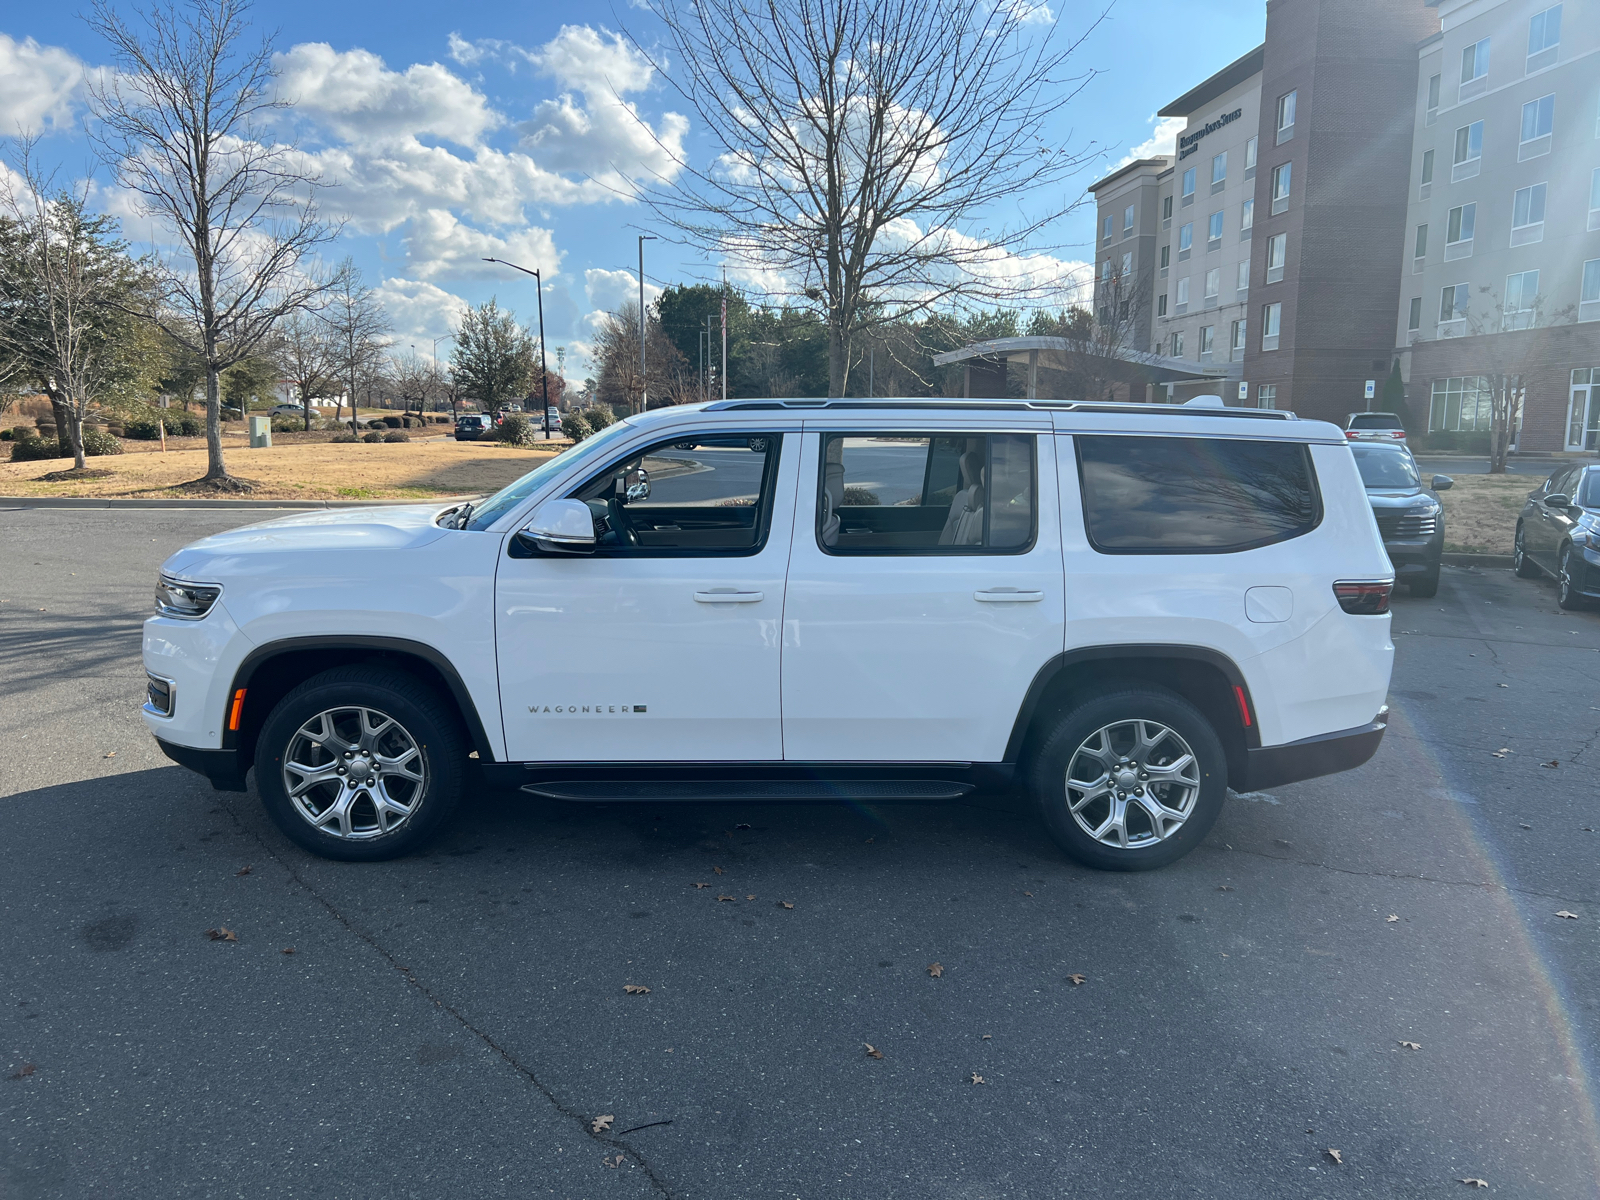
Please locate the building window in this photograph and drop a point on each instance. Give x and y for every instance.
(1247, 217)
(1166, 257)
(1277, 255)
(1594, 199)
(1127, 220)
(1461, 404)
(1250, 159)
(1213, 283)
(1161, 305)
(1544, 38)
(1166, 208)
(1182, 298)
(1285, 117)
(1267, 396)
(1214, 231)
(1522, 293)
(1105, 270)
(1469, 152)
(1433, 100)
(1414, 321)
(1207, 340)
(1105, 230)
(1458, 232)
(1419, 249)
(1474, 70)
(1236, 346)
(1271, 321)
(1244, 276)
(1589, 296)
(1453, 300)
(1127, 264)
(1219, 171)
(1185, 239)
(1282, 179)
(1105, 314)
(1538, 121)
(1527, 215)
(1427, 175)
(1177, 343)
(1188, 187)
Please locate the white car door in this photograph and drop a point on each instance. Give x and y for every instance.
(663, 644)
(925, 587)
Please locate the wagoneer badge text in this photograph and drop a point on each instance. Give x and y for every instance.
(585, 708)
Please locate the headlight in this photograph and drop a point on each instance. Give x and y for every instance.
(186, 601)
(1584, 537)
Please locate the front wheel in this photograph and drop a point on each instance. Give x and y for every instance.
(1524, 566)
(1130, 781)
(1566, 595)
(360, 764)
(1425, 587)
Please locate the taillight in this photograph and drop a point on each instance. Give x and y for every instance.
(1351, 434)
(1398, 433)
(1364, 599)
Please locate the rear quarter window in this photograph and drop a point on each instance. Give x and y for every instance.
(1190, 495)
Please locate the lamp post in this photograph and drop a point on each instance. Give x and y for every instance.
(443, 337)
(644, 396)
(544, 376)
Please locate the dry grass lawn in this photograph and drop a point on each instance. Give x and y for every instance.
(1480, 512)
(310, 471)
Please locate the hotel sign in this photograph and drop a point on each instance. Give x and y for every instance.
(1190, 142)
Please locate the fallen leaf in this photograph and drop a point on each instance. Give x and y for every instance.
(1504, 685)
(222, 934)
(601, 1124)
(871, 840)
(872, 1051)
(785, 904)
(724, 897)
(935, 969)
(1412, 1045)
(718, 870)
(1502, 752)
(1552, 764)
(741, 827)
(1524, 825)
(702, 885)
(976, 1078)
(613, 1162)
(1571, 916)
(244, 870)
(988, 1037)
(1076, 979)
(287, 950)
(111, 754)
(635, 989)
(1391, 918)
(1476, 1182)
(750, 896)
(1027, 893)
(1224, 887)
(1334, 1154)
(24, 1071)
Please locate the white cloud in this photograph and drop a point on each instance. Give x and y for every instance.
(353, 95)
(1163, 139)
(1027, 13)
(38, 86)
(437, 244)
(420, 312)
(609, 291)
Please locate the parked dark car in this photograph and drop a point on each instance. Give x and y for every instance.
(1558, 534)
(472, 426)
(1409, 515)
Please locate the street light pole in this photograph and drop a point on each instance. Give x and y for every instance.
(644, 396)
(544, 375)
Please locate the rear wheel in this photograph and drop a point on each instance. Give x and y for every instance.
(360, 764)
(1130, 781)
(1524, 566)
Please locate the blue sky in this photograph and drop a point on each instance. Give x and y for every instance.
(457, 131)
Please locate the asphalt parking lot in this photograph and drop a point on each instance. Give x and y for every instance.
(454, 1024)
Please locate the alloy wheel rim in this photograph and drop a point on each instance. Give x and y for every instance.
(1564, 577)
(354, 773)
(1516, 548)
(1132, 784)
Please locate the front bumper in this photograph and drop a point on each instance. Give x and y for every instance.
(1325, 754)
(221, 767)
(1416, 556)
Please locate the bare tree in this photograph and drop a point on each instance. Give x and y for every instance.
(415, 380)
(1103, 345)
(67, 291)
(360, 328)
(308, 356)
(861, 144)
(179, 120)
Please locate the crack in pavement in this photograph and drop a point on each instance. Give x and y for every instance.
(582, 1119)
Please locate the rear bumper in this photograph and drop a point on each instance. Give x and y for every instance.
(1327, 754)
(221, 767)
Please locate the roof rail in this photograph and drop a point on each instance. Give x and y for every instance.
(955, 405)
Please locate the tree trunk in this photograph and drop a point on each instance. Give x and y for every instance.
(63, 417)
(838, 362)
(77, 442)
(216, 468)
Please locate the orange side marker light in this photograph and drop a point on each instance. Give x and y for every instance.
(238, 707)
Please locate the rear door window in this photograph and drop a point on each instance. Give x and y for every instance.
(1190, 495)
(912, 493)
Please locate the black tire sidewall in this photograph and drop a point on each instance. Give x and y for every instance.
(401, 696)
(1048, 774)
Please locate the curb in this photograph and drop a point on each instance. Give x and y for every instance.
(1490, 561)
(95, 502)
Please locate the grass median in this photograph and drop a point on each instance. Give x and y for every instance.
(1480, 512)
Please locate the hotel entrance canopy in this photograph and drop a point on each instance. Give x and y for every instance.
(1062, 358)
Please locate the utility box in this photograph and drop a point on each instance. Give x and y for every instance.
(260, 432)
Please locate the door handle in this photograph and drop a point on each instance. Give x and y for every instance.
(1008, 596)
(729, 596)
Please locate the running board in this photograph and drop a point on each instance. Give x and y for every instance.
(750, 789)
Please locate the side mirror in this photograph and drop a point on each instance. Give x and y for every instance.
(561, 527)
(1557, 500)
(1443, 483)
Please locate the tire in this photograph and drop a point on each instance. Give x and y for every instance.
(1524, 566)
(1566, 596)
(1427, 587)
(1103, 729)
(394, 811)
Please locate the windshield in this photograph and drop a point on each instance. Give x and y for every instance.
(1385, 467)
(508, 497)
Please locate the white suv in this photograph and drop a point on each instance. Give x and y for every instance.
(1125, 609)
